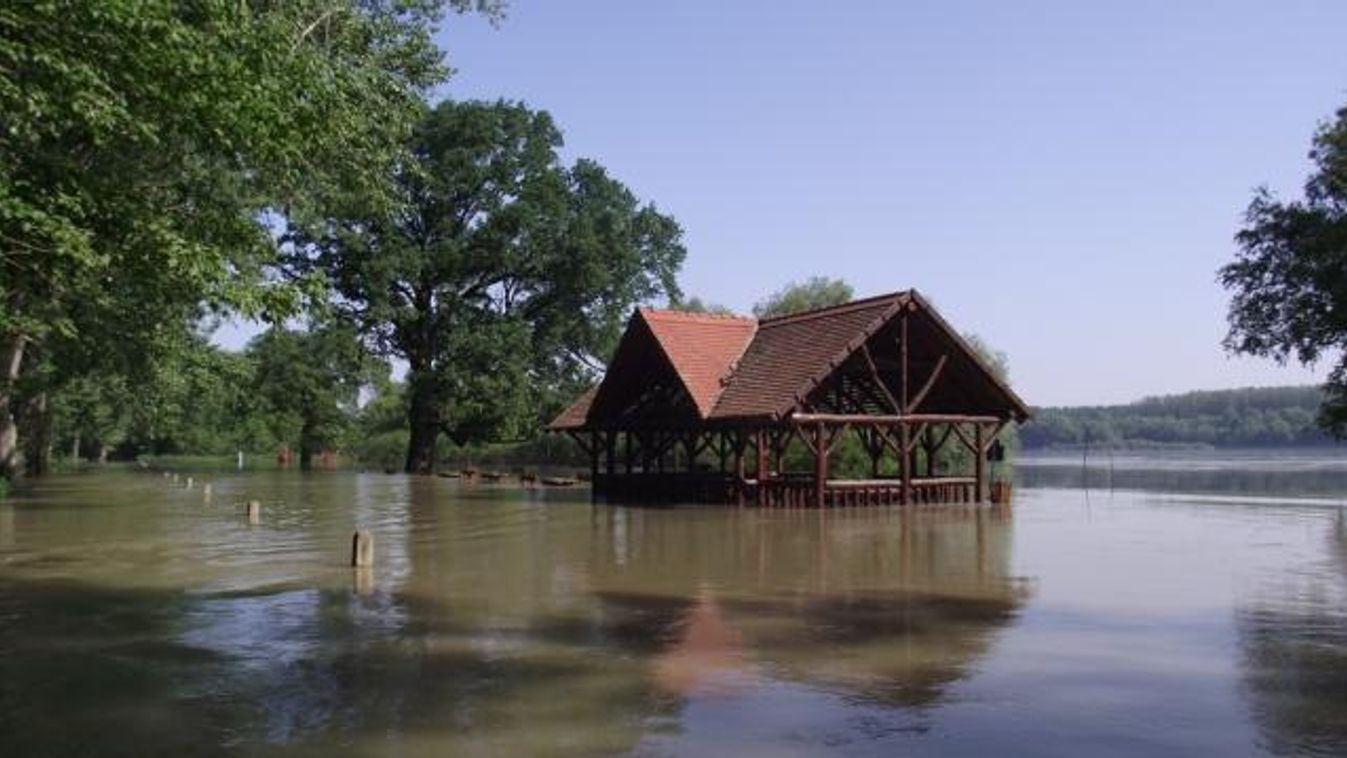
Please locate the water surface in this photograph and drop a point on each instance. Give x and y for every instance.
(1158, 618)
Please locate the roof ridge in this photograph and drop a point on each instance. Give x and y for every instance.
(694, 315)
(829, 310)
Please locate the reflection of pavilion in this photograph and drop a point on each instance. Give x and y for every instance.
(891, 606)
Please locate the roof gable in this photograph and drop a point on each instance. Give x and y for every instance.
(702, 348)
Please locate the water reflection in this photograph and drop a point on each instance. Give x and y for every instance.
(1270, 474)
(1294, 638)
(134, 619)
(495, 621)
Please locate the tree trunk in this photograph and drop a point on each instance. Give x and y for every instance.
(307, 443)
(423, 416)
(11, 361)
(103, 451)
(75, 449)
(37, 446)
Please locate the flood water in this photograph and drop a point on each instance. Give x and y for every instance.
(1180, 608)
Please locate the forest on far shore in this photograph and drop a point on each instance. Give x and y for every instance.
(1247, 417)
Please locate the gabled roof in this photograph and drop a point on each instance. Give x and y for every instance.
(702, 347)
(791, 353)
(734, 367)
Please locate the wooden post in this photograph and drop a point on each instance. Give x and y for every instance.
(905, 461)
(980, 467)
(189, 482)
(594, 467)
(739, 443)
(254, 512)
(362, 549)
(205, 492)
(820, 465)
(760, 440)
(626, 452)
(610, 463)
(902, 359)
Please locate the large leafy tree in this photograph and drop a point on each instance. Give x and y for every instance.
(144, 142)
(1289, 279)
(504, 277)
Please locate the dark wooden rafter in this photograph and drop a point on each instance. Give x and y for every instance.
(583, 439)
(928, 385)
(879, 380)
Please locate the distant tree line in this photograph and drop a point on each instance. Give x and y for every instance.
(1250, 417)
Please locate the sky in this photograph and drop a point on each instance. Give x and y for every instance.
(1061, 178)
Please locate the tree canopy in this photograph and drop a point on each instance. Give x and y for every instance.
(814, 292)
(1289, 278)
(146, 147)
(502, 277)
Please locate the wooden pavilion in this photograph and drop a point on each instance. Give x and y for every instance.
(703, 408)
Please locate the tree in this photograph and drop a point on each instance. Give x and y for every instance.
(504, 277)
(145, 142)
(695, 304)
(815, 292)
(1289, 278)
(310, 382)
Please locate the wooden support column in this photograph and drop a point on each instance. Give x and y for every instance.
(626, 453)
(740, 442)
(902, 359)
(905, 461)
(820, 464)
(594, 488)
(760, 441)
(980, 465)
(610, 453)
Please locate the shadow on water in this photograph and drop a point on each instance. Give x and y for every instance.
(1295, 658)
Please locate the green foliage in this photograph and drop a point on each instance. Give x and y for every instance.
(815, 292)
(503, 279)
(1289, 280)
(695, 304)
(309, 383)
(1252, 417)
(146, 145)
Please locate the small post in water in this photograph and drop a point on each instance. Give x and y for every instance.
(254, 512)
(189, 482)
(205, 492)
(362, 549)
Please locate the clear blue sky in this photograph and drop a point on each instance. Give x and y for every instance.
(1062, 178)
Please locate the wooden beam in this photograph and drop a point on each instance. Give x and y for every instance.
(902, 357)
(980, 469)
(905, 465)
(893, 420)
(930, 382)
(958, 432)
(820, 465)
(879, 380)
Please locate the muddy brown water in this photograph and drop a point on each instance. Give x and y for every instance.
(1179, 618)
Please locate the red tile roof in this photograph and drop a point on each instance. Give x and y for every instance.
(702, 347)
(791, 353)
(738, 367)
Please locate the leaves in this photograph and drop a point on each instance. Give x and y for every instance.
(1289, 279)
(504, 277)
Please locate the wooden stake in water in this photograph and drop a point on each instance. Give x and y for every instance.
(362, 549)
(205, 492)
(254, 512)
(189, 482)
